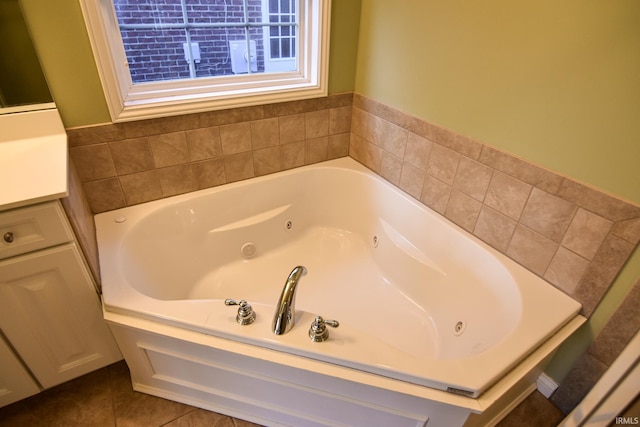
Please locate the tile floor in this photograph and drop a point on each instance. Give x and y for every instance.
(105, 398)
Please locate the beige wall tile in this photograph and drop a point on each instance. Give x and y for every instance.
(204, 143)
(443, 163)
(104, 195)
(586, 232)
(284, 109)
(412, 180)
(468, 147)
(231, 116)
(169, 149)
(418, 151)
(292, 155)
(520, 169)
(316, 124)
(92, 135)
(472, 178)
(463, 210)
(267, 160)
(235, 138)
(598, 202)
(344, 99)
(265, 133)
(291, 128)
(507, 195)
(239, 166)
(141, 187)
(435, 194)
(177, 179)
(391, 168)
(132, 155)
(81, 219)
(547, 214)
(609, 259)
(494, 228)
(458, 143)
(628, 230)
(531, 249)
(363, 124)
(392, 138)
(161, 125)
(566, 270)
(339, 120)
(93, 162)
(420, 127)
(444, 137)
(316, 150)
(338, 145)
(366, 153)
(208, 173)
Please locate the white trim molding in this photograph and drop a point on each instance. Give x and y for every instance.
(546, 385)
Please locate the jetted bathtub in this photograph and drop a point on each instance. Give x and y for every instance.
(425, 309)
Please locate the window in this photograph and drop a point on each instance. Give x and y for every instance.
(164, 57)
(280, 45)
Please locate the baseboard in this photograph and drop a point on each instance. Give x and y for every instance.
(546, 385)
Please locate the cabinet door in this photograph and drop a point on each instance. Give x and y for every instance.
(15, 381)
(51, 314)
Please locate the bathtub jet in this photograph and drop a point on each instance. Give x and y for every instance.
(285, 316)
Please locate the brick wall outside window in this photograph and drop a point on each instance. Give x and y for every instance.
(157, 54)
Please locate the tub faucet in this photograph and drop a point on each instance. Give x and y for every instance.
(285, 310)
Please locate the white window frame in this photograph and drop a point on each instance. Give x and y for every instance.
(128, 101)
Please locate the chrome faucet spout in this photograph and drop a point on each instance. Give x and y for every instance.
(285, 310)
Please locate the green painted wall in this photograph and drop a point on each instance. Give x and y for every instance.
(63, 45)
(345, 26)
(556, 83)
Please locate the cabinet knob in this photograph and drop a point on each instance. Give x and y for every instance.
(8, 237)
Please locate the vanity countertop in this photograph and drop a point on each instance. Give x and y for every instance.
(33, 158)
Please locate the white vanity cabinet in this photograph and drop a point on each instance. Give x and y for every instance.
(50, 313)
(15, 381)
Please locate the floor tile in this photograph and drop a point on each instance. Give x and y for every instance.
(534, 411)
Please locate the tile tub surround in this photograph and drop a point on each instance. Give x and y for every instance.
(572, 235)
(129, 163)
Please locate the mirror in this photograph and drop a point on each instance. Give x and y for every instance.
(22, 84)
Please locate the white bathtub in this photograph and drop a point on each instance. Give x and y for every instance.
(419, 301)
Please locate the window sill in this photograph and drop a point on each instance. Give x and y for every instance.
(141, 109)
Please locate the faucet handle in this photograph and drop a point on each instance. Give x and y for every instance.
(318, 331)
(246, 315)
